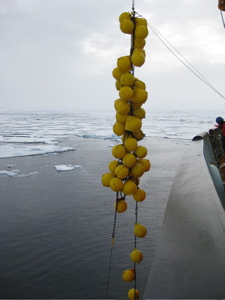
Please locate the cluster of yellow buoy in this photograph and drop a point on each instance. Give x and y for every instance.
(130, 162)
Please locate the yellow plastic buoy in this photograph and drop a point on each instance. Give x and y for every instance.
(133, 124)
(124, 15)
(121, 172)
(112, 165)
(137, 170)
(120, 206)
(117, 85)
(121, 118)
(131, 144)
(139, 135)
(129, 160)
(121, 106)
(141, 21)
(140, 84)
(117, 73)
(139, 95)
(141, 151)
(119, 128)
(140, 230)
(129, 187)
(139, 43)
(118, 151)
(116, 184)
(136, 256)
(141, 32)
(106, 178)
(136, 180)
(145, 163)
(127, 79)
(139, 113)
(124, 64)
(129, 275)
(137, 58)
(127, 26)
(133, 294)
(126, 93)
(139, 195)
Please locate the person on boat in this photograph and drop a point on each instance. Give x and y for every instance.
(221, 125)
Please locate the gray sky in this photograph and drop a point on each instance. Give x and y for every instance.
(59, 54)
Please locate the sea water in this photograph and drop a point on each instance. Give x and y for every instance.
(55, 233)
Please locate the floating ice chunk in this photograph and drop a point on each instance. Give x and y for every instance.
(61, 168)
(12, 173)
(21, 150)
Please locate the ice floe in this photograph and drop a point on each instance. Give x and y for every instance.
(61, 168)
(16, 173)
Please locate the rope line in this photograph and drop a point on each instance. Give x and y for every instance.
(188, 65)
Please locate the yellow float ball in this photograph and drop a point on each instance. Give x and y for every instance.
(121, 172)
(131, 144)
(140, 230)
(121, 118)
(137, 59)
(133, 294)
(112, 165)
(133, 124)
(139, 43)
(140, 84)
(135, 180)
(136, 105)
(119, 128)
(124, 64)
(145, 163)
(118, 151)
(139, 135)
(106, 178)
(117, 73)
(139, 113)
(141, 21)
(136, 256)
(120, 206)
(117, 85)
(122, 107)
(141, 32)
(141, 151)
(124, 15)
(139, 95)
(116, 184)
(129, 160)
(129, 275)
(129, 188)
(127, 26)
(139, 195)
(127, 79)
(137, 170)
(126, 93)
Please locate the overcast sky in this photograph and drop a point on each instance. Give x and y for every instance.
(59, 54)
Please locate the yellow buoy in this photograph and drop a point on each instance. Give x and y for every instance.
(120, 206)
(136, 256)
(145, 163)
(129, 160)
(131, 144)
(133, 124)
(140, 230)
(140, 84)
(117, 85)
(141, 32)
(129, 275)
(141, 151)
(133, 294)
(139, 95)
(127, 79)
(139, 113)
(121, 118)
(116, 184)
(137, 170)
(137, 58)
(141, 21)
(139, 43)
(139, 135)
(121, 106)
(106, 178)
(135, 180)
(118, 151)
(126, 93)
(112, 165)
(129, 187)
(139, 195)
(117, 73)
(124, 15)
(127, 26)
(119, 128)
(135, 105)
(121, 172)
(124, 64)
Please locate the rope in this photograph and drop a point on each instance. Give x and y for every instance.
(190, 67)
